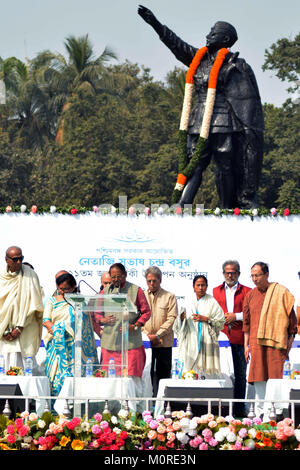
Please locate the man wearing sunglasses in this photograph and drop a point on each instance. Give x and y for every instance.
(21, 310)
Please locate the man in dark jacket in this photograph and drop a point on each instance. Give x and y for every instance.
(236, 133)
(230, 295)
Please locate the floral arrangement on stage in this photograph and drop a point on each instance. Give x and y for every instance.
(144, 432)
(190, 374)
(100, 373)
(15, 371)
(159, 210)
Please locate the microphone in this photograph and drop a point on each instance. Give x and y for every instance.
(82, 280)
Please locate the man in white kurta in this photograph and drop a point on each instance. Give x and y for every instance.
(21, 310)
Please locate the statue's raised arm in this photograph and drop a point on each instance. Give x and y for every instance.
(149, 17)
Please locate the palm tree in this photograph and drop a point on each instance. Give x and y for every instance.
(26, 102)
(66, 76)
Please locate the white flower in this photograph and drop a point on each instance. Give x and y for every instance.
(185, 423)
(123, 414)
(297, 434)
(27, 439)
(254, 212)
(52, 209)
(192, 432)
(117, 430)
(114, 419)
(224, 431)
(41, 424)
(25, 446)
(193, 424)
(217, 211)
(85, 426)
(219, 436)
(252, 433)
(226, 447)
(231, 437)
(78, 429)
(182, 437)
(33, 417)
(229, 418)
(128, 424)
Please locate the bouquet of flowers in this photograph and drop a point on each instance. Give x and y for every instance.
(15, 371)
(295, 374)
(191, 374)
(100, 373)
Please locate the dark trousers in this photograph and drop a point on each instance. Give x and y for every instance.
(238, 159)
(161, 365)
(240, 369)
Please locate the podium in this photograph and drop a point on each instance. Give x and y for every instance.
(113, 312)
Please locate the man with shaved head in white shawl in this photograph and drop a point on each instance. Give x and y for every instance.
(21, 310)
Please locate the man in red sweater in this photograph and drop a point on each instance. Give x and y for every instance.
(230, 295)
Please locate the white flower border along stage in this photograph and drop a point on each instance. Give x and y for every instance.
(141, 209)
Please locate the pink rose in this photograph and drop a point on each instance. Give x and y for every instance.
(10, 429)
(237, 211)
(207, 433)
(11, 439)
(22, 431)
(96, 429)
(34, 209)
(286, 212)
(213, 442)
(288, 431)
(153, 424)
(237, 446)
(243, 433)
(98, 417)
(161, 429)
(203, 446)
(19, 422)
(74, 211)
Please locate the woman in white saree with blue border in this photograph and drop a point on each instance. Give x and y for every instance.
(59, 340)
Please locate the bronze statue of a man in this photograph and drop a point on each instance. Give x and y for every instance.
(235, 141)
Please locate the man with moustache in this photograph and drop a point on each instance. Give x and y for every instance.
(269, 327)
(230, 295)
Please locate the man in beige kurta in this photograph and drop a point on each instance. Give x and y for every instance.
(21, 310)
(269, 327)
(159, 328)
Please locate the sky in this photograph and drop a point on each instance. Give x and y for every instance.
(31, 26)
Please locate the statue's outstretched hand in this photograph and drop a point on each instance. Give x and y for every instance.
(146, 14)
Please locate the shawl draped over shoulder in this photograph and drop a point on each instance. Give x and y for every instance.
(21, 304)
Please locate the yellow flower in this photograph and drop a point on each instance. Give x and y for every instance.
(4, 447)
(77, 444)
(64, 441)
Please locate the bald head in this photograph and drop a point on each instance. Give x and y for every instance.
(14, 258)
(105, 279)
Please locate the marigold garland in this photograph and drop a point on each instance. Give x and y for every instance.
(186, 168)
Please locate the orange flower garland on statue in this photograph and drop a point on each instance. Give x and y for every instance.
(186, 168)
